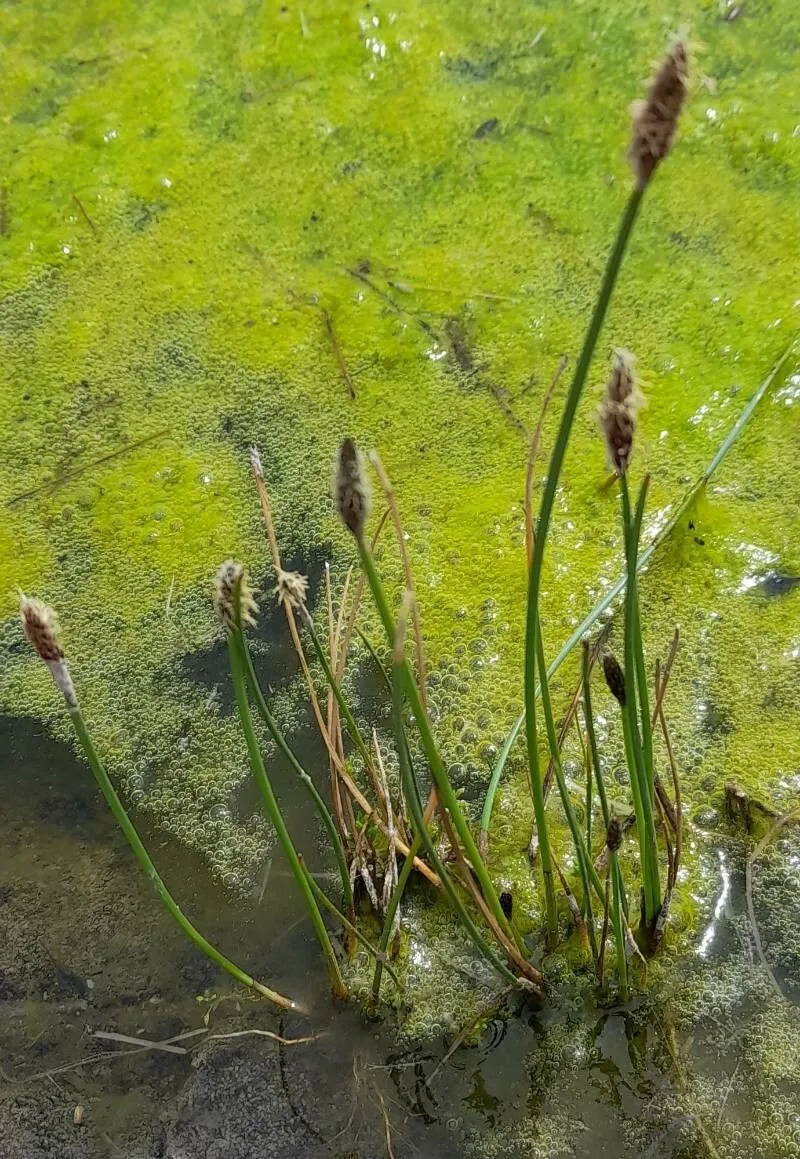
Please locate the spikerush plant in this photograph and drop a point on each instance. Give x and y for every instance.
(654, 129)
(236, 608)
(42, 631)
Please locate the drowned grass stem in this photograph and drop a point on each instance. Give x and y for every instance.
(236, 652)
(305, 778)
(447, 796)
(143, 857)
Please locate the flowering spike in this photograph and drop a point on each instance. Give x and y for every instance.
(291, 589)
(619, 411)
(42, 631)
(351, 489)
(655, 121)
(233, 596)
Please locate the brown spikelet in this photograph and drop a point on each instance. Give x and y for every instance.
(233, 596)
(41, 628)
(655, 121)
(615, 677)
(614, 835)
(619, 410)
(351, 489)
(291, 588)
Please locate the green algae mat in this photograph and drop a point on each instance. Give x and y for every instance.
(279, 224)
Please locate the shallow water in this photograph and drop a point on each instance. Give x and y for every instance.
(187, 191)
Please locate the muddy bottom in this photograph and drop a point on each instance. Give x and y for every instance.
(86, 949)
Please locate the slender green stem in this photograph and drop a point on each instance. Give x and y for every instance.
(365, 640)
(618, 899)
(444, 789)
(377, 954)
(616, 589)
(422, 834)
(619, 925)
(344, 708)
(589, 801)
(543, 525)
(236, 653)
(589, 876)
(143, 857)
(305, 778)
(638, 645)
(640, 782)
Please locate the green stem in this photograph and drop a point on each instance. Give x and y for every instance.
(388, 921)
(349, 719)
(619, 925)
(640, 783)
(543, 525)
(421, 833)
(378, 955)
(618, 899)
(143, 857)
(444, 789)
(638, 645)
(589, 875)
(305, 779)
(618, 587)
(236, 653)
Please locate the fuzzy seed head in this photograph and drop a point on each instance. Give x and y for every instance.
(291, 589)
(615, 678)
(619, 411)
(351, 489)
(655, 121)
(233, 596)
(255, 462)
(42, 629)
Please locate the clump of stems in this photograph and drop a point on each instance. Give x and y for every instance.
(235, 607)
(351, 492)
(653, 134)
(41, 629)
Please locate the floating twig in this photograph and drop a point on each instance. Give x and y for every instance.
(66, 476)
(86, 217)
(327, 322)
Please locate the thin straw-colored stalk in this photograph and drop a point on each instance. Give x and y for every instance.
(143, 857)
(601, 607)
(347, 824)
(236, 652)
(269, 525)
(391, 501)
(533, 451)
(333, 683)
(305, 779)
(676, 784)
(352, 929)
(421, 833)
(444, 789)
(540, 540)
